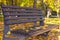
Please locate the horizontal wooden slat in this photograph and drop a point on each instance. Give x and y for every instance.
(17, 7)
(20, 9)
(49, 28)
(16, 13)
(22, 17)
(19, 21)
(23, 11)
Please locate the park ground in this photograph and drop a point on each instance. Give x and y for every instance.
(47, 21)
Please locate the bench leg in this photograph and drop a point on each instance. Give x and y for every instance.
(41, 23)
(6, 29)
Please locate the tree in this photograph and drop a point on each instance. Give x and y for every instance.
(53, 4)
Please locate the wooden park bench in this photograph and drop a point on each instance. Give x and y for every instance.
(18, 15)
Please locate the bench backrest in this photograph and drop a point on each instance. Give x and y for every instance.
(17, 15)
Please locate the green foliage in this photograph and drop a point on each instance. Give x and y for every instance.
(27, 3)
(53, 4)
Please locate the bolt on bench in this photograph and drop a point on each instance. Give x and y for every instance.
(18, 15)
